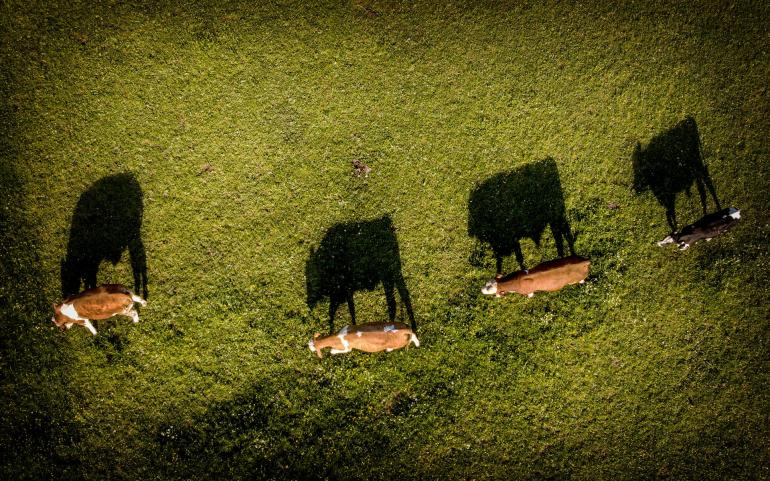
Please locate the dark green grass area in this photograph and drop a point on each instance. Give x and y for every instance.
(227, 130)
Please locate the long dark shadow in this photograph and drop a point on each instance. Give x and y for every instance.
(357, 256)
(107, 221)
(518, 204)
(670, 164)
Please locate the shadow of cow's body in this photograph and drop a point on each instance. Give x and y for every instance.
(517, 204)
(670, 164)
(107, 221)
(357, 256)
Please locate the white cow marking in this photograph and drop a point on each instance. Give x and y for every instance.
(359, 334)
(345, 344)
(69, 311)
(390, 328)
(735, 213)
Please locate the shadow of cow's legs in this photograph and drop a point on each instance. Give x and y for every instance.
(404, 293)
(390, 298)
(138, 266)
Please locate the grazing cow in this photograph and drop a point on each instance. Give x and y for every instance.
(548, 276)
(357, 256)
(371, 337)
(98, 303)
(707, 227)
(670, 164)
(519, 204)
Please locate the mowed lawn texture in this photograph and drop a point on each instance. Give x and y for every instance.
(240, 121)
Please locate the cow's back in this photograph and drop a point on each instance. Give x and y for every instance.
(553, 275)
(102, 302)
(374, 337)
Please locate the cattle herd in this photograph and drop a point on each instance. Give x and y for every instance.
(105, 301)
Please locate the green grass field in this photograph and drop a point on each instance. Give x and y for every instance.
(658, 367)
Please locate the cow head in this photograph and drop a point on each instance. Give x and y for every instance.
(311, 345)
(60, 319)
(490, 288)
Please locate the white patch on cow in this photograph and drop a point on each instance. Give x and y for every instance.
(683, 246)
(138, 299)
(69, 311)
(734, 213)
(311, 345)
(582, 281)
(90, 327)
(134, 315)
(389, 349)
(490, 288)
(708, 239)
(531, 294)
(359, 334)
(389, 328)
(68, 325)
(415, 341)
(343, 332)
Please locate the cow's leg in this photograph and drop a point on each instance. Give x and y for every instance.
(89, 326)
(133, 314)
(138, 299)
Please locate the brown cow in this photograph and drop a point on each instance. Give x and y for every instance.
(371, 337)
(548, 276)
(98, 303)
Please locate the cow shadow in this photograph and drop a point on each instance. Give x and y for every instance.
(357, 256)
(518, 204)
(670, 164)
(107, 221)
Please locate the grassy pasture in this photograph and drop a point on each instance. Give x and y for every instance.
(239, 122)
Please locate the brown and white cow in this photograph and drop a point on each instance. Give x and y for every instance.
(371, 337)
(97, 303)
(548, 276)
